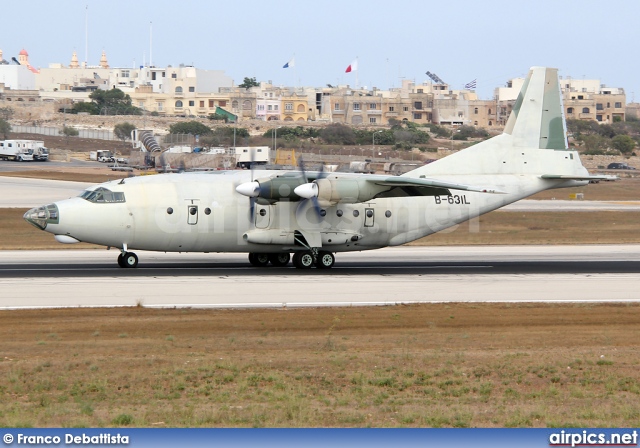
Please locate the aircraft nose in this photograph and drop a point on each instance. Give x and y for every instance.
(41, 216)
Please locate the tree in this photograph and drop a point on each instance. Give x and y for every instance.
(249, 82)
(5, 128)
(114, 102)
(123, 130)
(85, 106)
(623, 143)
(607, 131)
(190, 127)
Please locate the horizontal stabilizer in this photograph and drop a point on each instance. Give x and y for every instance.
(570, 177)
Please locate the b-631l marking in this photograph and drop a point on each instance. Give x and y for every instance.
(454, 199)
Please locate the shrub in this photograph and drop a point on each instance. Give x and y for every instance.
(123, 420)
(190, 127)
(123, 130)
(623, 143)
(69, 131)
(338, 134)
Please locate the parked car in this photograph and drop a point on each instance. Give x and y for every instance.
(619, 166)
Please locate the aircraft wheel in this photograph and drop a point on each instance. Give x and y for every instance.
(325, 260)
(303, 260)
(258, 260)
(130, 260)
(121, 261)
(279, 259)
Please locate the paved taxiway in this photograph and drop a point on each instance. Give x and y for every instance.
(35, 279)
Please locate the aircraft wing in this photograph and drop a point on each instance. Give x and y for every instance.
(400, 181)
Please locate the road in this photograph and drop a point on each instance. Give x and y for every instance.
(39, 279)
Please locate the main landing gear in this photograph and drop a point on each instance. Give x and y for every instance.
(305, 259)
(127, 260)
(261, 260)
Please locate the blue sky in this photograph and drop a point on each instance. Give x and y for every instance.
(459, 40)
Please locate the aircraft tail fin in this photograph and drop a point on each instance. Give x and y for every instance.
(534, 140)
(537, 118)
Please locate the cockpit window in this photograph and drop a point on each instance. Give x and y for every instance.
(102, 195)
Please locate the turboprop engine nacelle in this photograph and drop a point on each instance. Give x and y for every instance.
(272, 189)
(331, 191)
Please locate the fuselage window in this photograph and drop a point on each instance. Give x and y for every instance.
(102, 195)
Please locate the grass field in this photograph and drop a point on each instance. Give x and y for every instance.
(455, 365)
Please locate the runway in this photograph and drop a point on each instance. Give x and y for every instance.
(88, 278)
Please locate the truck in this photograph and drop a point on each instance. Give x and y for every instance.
(39, 151)
(101, 155)
(15, 150)
(247, 155)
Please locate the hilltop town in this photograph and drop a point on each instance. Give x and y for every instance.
(62, 96)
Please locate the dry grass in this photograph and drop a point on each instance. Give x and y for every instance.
(17, 234)
(452, 365)
(626, 189)
(502, 227)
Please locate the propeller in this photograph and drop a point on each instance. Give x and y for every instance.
(288, 186)
(252, 199)
(309, 190)
(250, 189)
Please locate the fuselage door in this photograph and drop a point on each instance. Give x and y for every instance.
(263, 216)
(369, 215)
(192, 214)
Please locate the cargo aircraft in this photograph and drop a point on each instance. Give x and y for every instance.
(272, 215)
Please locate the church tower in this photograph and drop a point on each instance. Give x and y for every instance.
(74, 61)
(103, 60)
